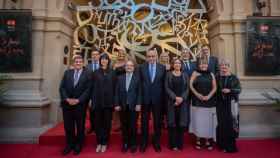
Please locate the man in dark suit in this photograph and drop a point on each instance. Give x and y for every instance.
(188, 65)
(128, 102)
(74, 92)
(94, 65)
(213, 63)
(152, 86)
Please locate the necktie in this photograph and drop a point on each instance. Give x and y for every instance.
(127, 82)
(152, 72)
(95, 66)
(76, 77)
(188, 64)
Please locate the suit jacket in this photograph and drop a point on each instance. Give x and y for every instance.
(103, 88)
(152, 92)
(189, 70)
(213, 65)
(81, 91)
(90, 68)
(131, 97)
(184, 109)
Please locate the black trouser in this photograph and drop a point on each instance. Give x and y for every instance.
(145, 115)
(103, 123)
(91, 119)
(128, 120)
(74, 121)
(176, 134)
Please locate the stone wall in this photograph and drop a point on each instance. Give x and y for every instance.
(32, 102)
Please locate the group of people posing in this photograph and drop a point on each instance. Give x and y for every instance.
(199, 97)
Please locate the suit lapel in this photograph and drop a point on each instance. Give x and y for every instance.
(123, 80)
(146, 68)
(156, 72)
(131, 81)
(71, 75)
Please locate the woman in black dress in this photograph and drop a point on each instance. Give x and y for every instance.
(177, 89)
(203, 110)
(227, 113)
(102, 101)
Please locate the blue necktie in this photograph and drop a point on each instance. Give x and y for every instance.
(152, 71)
(76, 77)
(94, 66)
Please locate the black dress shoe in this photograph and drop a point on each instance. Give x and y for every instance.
(133, 149)
(143, 148)
(124, 148)
(77, 149)
(157, 147)
(66, 150)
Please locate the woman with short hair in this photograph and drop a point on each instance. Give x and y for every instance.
(227, 108)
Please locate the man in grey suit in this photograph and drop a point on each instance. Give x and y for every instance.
(93, 66)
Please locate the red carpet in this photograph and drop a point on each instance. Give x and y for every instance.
(247, 149)
(51, 144)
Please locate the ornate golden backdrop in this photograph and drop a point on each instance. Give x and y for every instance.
(138, 25)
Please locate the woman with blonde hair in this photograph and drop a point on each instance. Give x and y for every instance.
(164, 59)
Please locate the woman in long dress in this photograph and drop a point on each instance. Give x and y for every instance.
(177, 89)
(203, 110)
(227, 108)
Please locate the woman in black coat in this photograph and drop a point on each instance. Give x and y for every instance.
(102, 101)
(227, 110)
(177, 89)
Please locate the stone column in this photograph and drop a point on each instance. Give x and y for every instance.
(31, 102)
(227, 34)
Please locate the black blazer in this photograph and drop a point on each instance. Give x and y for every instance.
(131, 97)
(103, 88)
(81, 91)
(184, 107)
(168, 87)
(213, 65)
(152, 92)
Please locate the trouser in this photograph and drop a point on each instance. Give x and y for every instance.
(176, 134)
(156, 112)
(74, 121)
(128, 126)
(91, 118)
(103, 123)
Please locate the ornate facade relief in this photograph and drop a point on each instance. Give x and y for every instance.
(137, 26)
